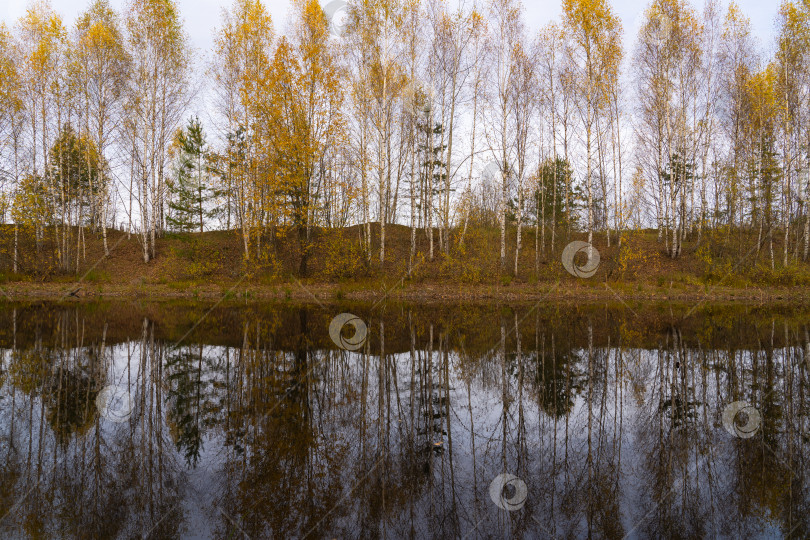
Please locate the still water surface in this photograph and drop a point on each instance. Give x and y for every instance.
(128, 420)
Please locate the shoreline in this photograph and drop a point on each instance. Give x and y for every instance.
(562, 292)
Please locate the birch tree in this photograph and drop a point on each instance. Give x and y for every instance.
(157, 95)
(12, 119)
(595, 48)
(43, 48)
(507, 33)
(101, 66)
(321, 80)
(524, 105)
(793, 81)
(242, 52)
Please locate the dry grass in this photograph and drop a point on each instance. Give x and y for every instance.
(214, 260)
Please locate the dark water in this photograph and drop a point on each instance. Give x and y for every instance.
(168, 420)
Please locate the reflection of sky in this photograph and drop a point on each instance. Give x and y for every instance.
(547, 467)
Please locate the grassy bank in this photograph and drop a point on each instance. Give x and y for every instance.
(724, 265)
(373, 291)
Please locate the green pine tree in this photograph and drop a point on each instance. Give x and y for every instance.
(74, 174)
(766, 171)
(431, 153)
(190, 193)
(552, 202)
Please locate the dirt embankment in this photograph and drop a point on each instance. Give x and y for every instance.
(212, 265)
(376, 291)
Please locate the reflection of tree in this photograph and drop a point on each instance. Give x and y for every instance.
(276, 487)
(676, 443)
(764, 484)
(678, 404)
(559, 379)
(678, 409)
(315, 439)
(11, 470)
(30, 369)
(71, 473)
(3, 370)
(431, 403)
(184, 374)
(65, 380)
(70, 402)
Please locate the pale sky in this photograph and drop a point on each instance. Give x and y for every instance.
(202, 16)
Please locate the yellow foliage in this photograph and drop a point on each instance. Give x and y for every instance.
(632, 258)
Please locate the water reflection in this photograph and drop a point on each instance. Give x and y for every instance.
(257, 424)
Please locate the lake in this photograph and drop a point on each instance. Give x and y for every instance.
(166, 419)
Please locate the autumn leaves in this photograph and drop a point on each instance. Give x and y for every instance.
(385, 112)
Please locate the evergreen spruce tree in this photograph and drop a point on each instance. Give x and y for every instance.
(74, 176)
(433, 170)
(554, 202)
(190, 193)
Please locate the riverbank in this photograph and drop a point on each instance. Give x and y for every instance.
(212, 266)
(566, 291)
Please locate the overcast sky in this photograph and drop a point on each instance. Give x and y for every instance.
(202, 16)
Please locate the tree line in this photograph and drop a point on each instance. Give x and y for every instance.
(408, 112)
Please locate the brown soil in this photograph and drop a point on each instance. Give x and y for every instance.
(211, 266)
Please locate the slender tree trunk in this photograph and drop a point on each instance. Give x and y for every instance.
(519, 219)
(788, 206)
(504, 179)
(804, 178)
(16, 244)
(540, 217)
(588, 171)
(447, 163)
(145, 219)
(429, 184)
(617, 152)
(413, 200)
(468, 202)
